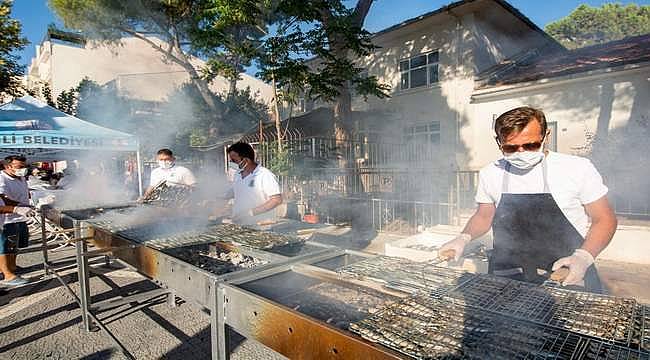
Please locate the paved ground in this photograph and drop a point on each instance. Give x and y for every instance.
(42, 321)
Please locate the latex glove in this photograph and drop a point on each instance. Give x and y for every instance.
(457, 245)
(577, 264)
(24, 211)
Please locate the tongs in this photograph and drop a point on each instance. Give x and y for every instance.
(443, 256)
(557, 277)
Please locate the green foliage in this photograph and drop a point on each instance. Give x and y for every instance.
(228, 34)
(588, 25)
(67, 102)
(332, 33)
(280, 161)
(46, 92)
(10, 41)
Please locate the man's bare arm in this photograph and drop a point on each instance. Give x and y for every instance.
(603, 226)
(269, 205)
(481, 221)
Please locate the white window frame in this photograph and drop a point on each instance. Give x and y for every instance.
(415, 132)
(429, 65)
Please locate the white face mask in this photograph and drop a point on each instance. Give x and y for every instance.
(237, 167)
(524, 160)
(20, 172)
(165, 164)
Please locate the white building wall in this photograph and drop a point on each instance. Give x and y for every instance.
(575, 103)
(140, 72)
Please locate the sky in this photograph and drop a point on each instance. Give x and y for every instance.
(35, 15)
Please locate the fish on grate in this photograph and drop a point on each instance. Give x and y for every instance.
(606, 317)
(214, 259)
(405, 275)
(180, 233)
(164, 194)
(423, 326)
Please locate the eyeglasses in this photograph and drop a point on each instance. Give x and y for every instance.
(531, 146)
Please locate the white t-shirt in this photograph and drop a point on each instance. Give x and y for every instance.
(573, 181)
(174, 175)
(15, 189)
(252, 191)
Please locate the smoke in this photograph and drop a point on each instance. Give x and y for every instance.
(96, 178)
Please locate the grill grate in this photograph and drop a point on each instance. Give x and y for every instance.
(606, 317)
(159, 236)
(426, 327)
(599, 350)
(405, 275)
(169, 195)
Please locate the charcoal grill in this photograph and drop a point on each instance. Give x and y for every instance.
(312, 301)
(169, 258)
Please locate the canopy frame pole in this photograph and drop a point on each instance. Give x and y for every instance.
(138, 160)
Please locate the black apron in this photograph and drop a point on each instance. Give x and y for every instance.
(530, 233)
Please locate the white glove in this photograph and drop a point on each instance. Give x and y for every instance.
(457, 245)
(577, 264)
(24, 211)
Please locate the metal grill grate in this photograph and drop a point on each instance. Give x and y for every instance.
(426, 327)
(406, 275)
(599, 350)
(606, 317)
(159, 236)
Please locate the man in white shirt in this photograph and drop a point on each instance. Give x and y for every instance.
(255, 189)
(15, 203)
(168, 171)
(539, 204)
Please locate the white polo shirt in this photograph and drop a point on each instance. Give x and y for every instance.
(252, 191)
(573, 181)
(175, 175)
(15, 189)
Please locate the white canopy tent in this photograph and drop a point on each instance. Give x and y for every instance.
(30, 126)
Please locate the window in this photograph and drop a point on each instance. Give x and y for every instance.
(423, 133)
(418, 71)
(551, 143)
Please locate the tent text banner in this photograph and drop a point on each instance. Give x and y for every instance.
(62, 142)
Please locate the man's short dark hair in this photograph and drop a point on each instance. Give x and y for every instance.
(515, 120)
(165, 152)
(11, 158)
(242, 149)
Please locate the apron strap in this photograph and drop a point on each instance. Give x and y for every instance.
(506, 182)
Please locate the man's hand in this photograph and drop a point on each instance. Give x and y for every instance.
(577, 264)
(457, 245)
(24, 211)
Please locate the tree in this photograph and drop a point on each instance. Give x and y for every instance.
(66, 102)
(335, 38)
(10, 41)
(163, 25)
(228, 33)
(588, 25)
(46, 93)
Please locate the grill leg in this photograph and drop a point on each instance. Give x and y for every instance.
(84, 279)
(44, 247)
(171, 299)
(217, 324)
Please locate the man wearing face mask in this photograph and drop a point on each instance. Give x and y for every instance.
(539, 204)
(169, 172)
(14, 192)
(255, 189)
